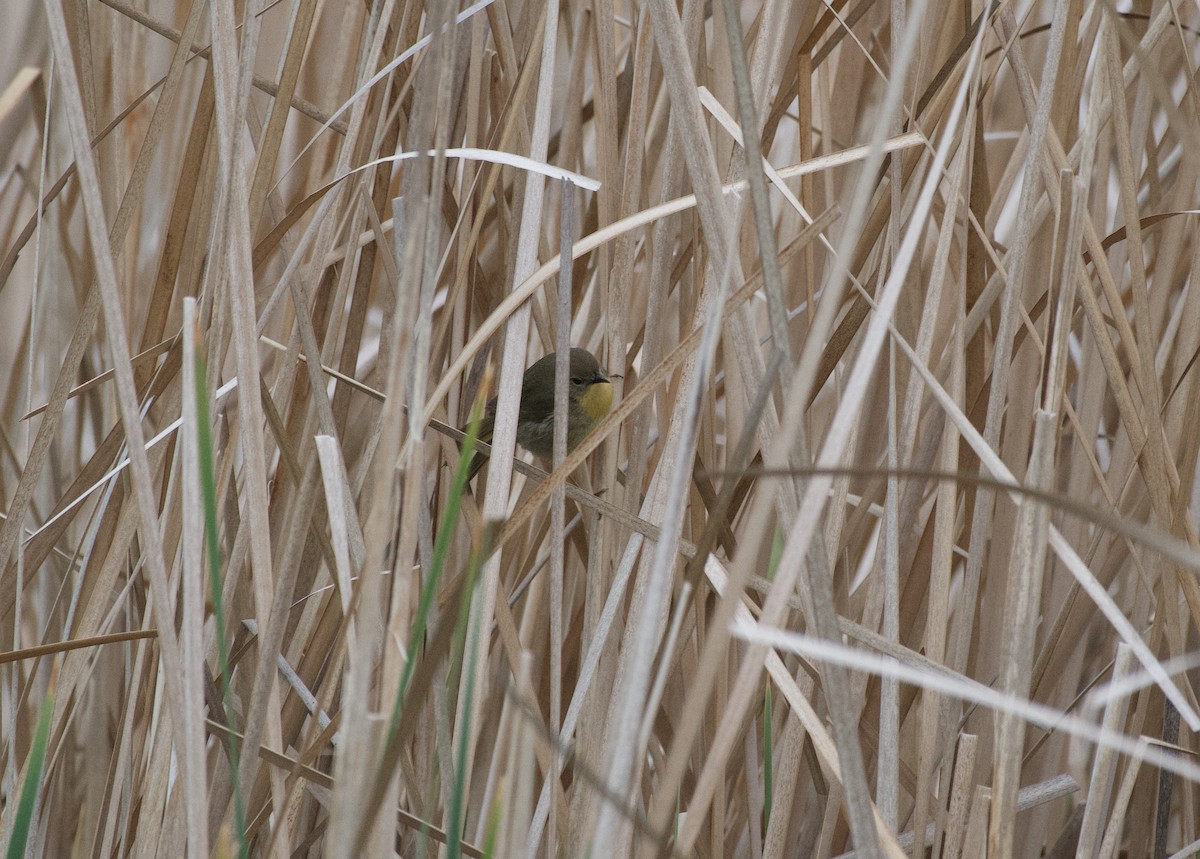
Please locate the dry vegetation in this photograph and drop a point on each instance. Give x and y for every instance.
(911, 378)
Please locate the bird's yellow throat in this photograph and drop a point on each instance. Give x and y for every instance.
(597, 400)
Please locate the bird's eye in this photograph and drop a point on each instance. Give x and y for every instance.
(576, 381)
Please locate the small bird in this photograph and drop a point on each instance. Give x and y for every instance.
(589, 397)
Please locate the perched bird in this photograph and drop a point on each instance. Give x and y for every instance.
(589, 397)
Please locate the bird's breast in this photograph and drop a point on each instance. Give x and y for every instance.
(597, 400)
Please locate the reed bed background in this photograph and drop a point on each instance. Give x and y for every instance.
(892, 529)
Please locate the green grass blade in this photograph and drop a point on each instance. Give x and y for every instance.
(208, 487)
(440, 550)
(33, 776)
